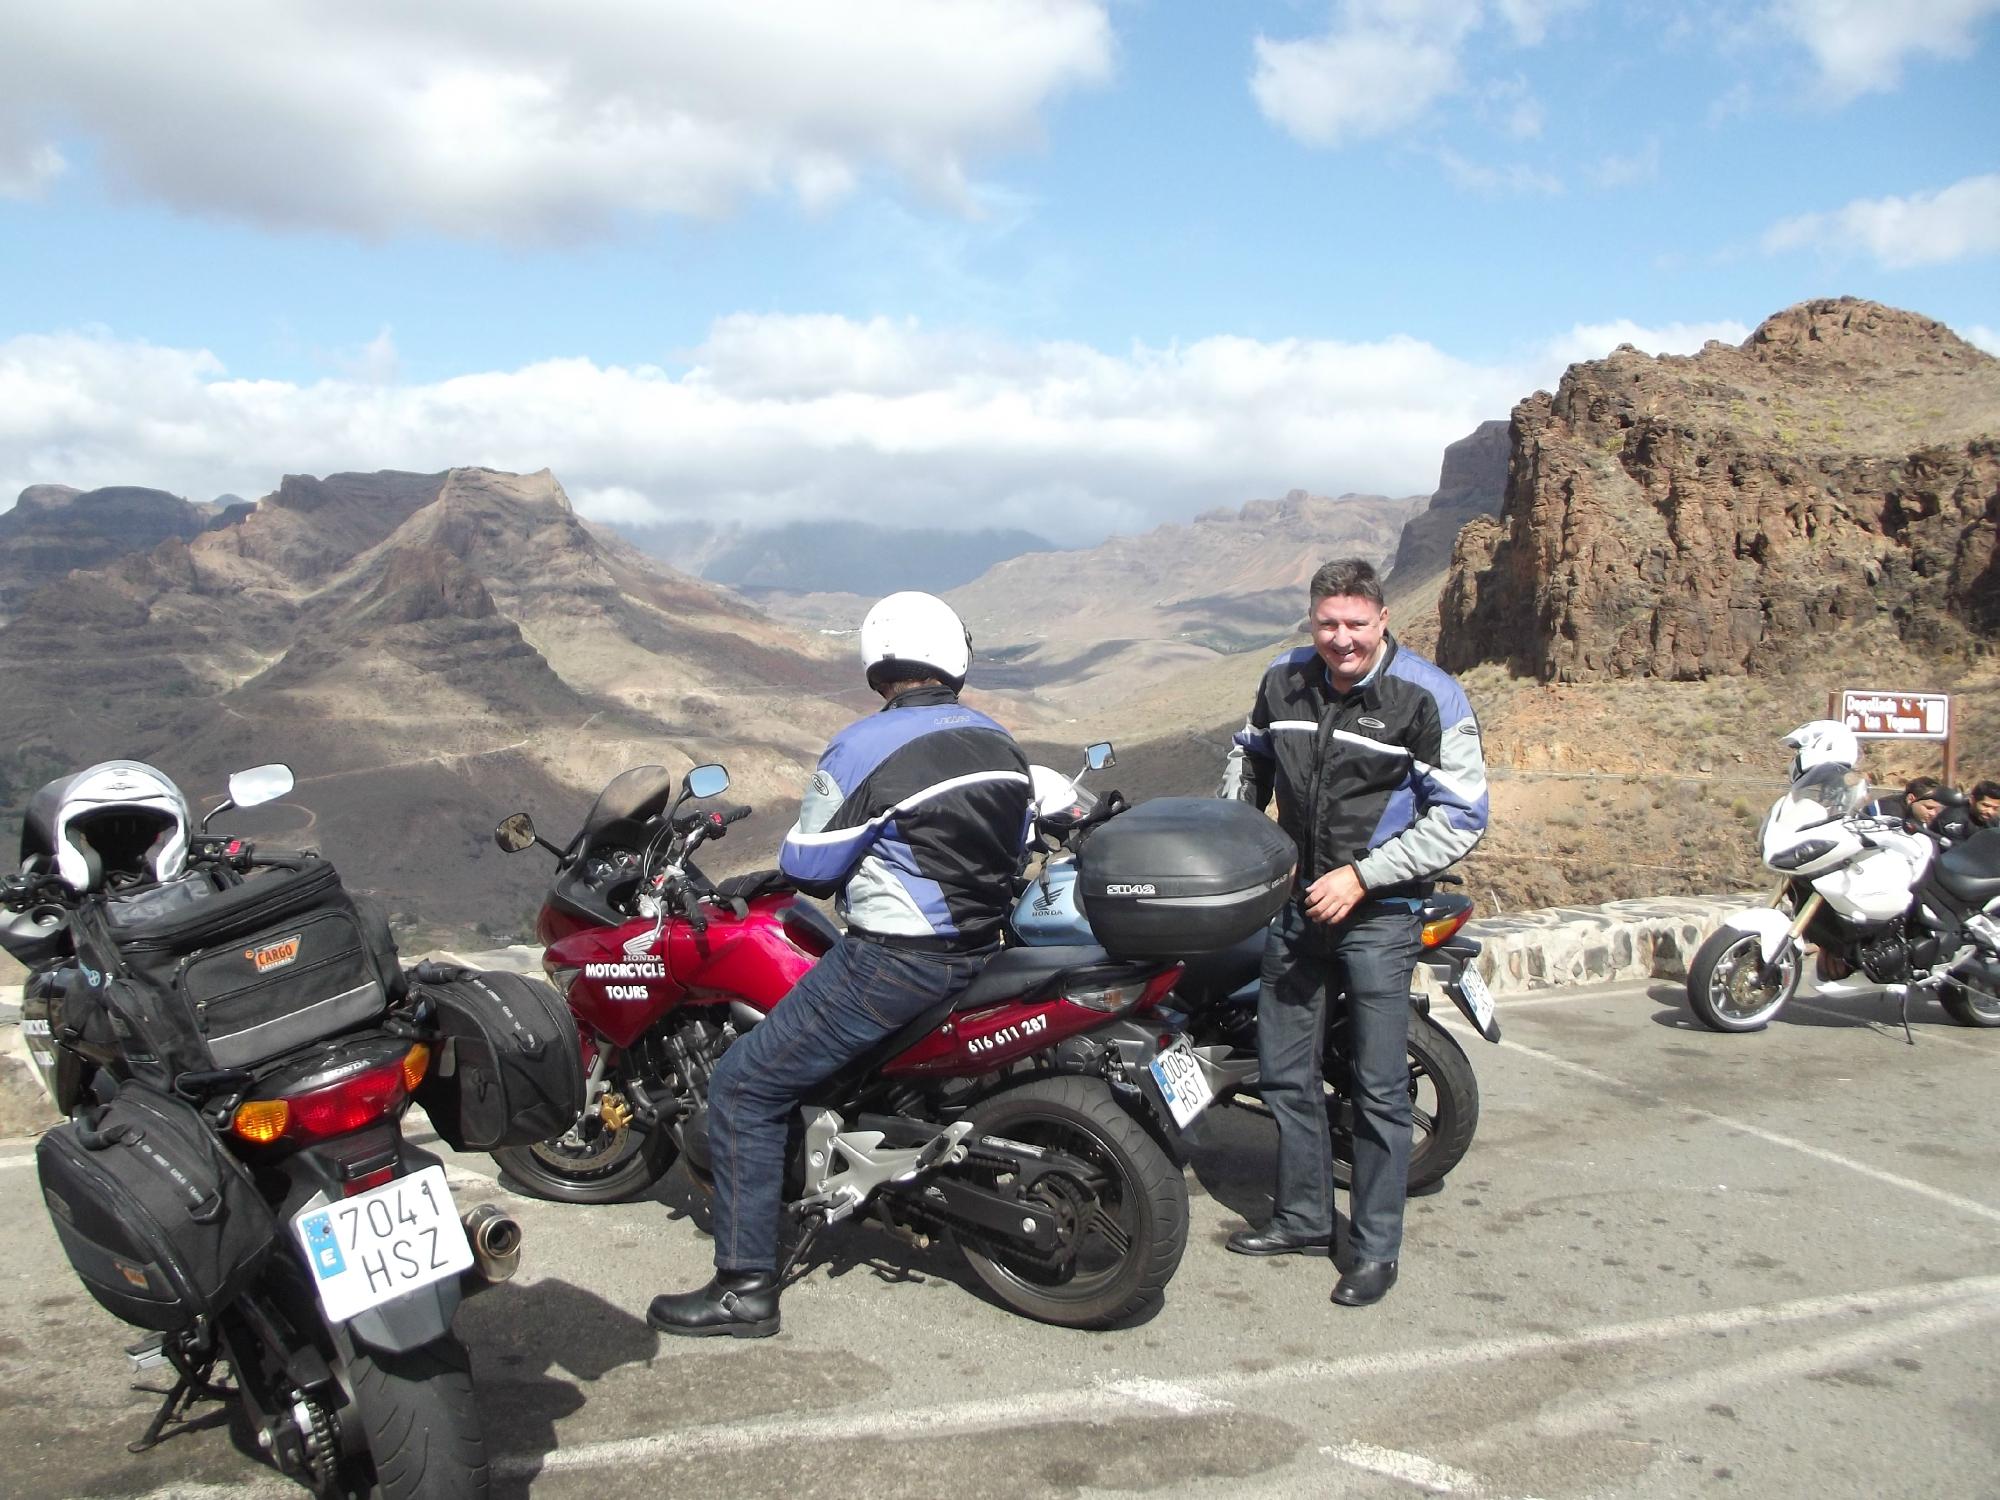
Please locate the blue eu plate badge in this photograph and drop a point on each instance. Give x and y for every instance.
(323, 1246)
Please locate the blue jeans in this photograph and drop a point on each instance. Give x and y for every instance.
(1368, 957)
(860, 993)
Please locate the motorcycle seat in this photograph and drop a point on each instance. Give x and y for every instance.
(1971, 870)
(1020, 973)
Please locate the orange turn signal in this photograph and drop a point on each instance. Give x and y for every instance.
(416, 1063)
(1442, 929)
(261, 1121)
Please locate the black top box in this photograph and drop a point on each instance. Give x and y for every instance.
(1181, 875)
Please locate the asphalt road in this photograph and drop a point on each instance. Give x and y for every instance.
(1675, 1263)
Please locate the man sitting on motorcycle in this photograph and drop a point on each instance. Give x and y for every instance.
(917, 816)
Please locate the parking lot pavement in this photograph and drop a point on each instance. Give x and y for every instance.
(1675, 1263)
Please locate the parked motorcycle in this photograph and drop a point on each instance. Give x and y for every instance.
(1889, 913)
(976, 1120)
(1211, 1012)
(234, 1050)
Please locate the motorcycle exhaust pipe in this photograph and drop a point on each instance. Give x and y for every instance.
(496, 1243)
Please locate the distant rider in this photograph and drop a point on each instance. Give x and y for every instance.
(1373, 754)
(917, 816)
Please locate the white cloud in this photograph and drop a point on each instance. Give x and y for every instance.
(1923, 229)
(1383, 64)
(1512, 180)
(783, 418)
(538, 119)
(27, 167)
(1595, 340)
(1860, 46)
(1614, 170)
(1982, 337)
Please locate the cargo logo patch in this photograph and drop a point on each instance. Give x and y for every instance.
(274, 955)
(132, 1274)
(1131, 890)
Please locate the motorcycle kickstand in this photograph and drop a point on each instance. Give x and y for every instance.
(808, 1235)
(171, 1419)
(1907, 1036)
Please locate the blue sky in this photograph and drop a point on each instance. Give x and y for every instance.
(1073, 265)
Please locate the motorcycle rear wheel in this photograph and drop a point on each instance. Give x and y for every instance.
(1729, 986)
(1129, 1236)
(1977, 1004)
(1444, 1108)
(420, 1421)
(609, 1167)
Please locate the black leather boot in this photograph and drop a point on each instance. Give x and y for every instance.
(1365, 1282)
(738, 1304)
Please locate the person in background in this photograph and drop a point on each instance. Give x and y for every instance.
(1373, 755)
(1986, 803)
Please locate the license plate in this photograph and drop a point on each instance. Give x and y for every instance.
(380, 1244)
(1182, 1082)
(1478, 1002)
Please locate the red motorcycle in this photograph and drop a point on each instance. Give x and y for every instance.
(992, 1119)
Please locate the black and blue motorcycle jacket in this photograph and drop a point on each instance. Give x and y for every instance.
(918, 816)
(1388, 777)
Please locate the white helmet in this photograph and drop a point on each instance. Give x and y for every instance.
(915, 635)
(1823, 742)
(119, 817)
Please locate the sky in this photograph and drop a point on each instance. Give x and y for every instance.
(1079, 266)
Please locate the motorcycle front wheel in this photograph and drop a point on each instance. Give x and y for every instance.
(593, 1163)
(1123, 1233)
(1444, 1107)
(1731, 988)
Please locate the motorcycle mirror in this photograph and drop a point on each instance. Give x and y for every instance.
(1098, 756)
(260, 784)
(515, 833)
(705, 781)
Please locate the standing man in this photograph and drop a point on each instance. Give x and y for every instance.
(917, 816)
(1986, 803)
(1373, 754)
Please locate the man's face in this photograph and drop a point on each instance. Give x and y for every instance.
(1986, 809)
(1347, 632)
(1926, 809)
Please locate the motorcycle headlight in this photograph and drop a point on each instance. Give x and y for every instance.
(1801, 854)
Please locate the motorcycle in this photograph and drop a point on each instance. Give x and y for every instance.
(967, 1123)
(350, 1257)
(1889, 913)
(1211, 1012)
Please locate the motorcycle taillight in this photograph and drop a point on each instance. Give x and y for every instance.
(1440, 930)
(337, 1108)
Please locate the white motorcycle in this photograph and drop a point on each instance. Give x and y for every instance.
(1889, 913)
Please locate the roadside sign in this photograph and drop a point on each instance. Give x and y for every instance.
(1877, 715)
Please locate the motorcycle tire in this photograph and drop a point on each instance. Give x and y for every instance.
(1730, 988)
(420, 1424)
(1442, 1121)
(624, 1167)
(1977, 1004)
(1145, 1226)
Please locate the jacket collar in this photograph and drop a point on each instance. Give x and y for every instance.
(1314, 670)
(921, 697)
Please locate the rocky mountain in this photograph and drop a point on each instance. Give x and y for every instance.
(428, 652)
(847, 557)
(1060, 631)
(1472, 481)
(53, 528)
(1836, 476)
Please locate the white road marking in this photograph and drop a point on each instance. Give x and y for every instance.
(1908, 1184)
(1706, 1385)
(1211, 1392)
(15, 1161)
(1411, 1468)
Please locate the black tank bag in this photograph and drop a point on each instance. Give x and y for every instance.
(246, 975)
(509, 1066)
(159, 1221)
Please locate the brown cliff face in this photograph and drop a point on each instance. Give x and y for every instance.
(1725, 512)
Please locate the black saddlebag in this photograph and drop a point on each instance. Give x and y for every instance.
(159, 1221)
(249, 973)
(509, 1066)
(1181, 875)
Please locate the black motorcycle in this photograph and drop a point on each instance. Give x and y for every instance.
(235, 1048)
